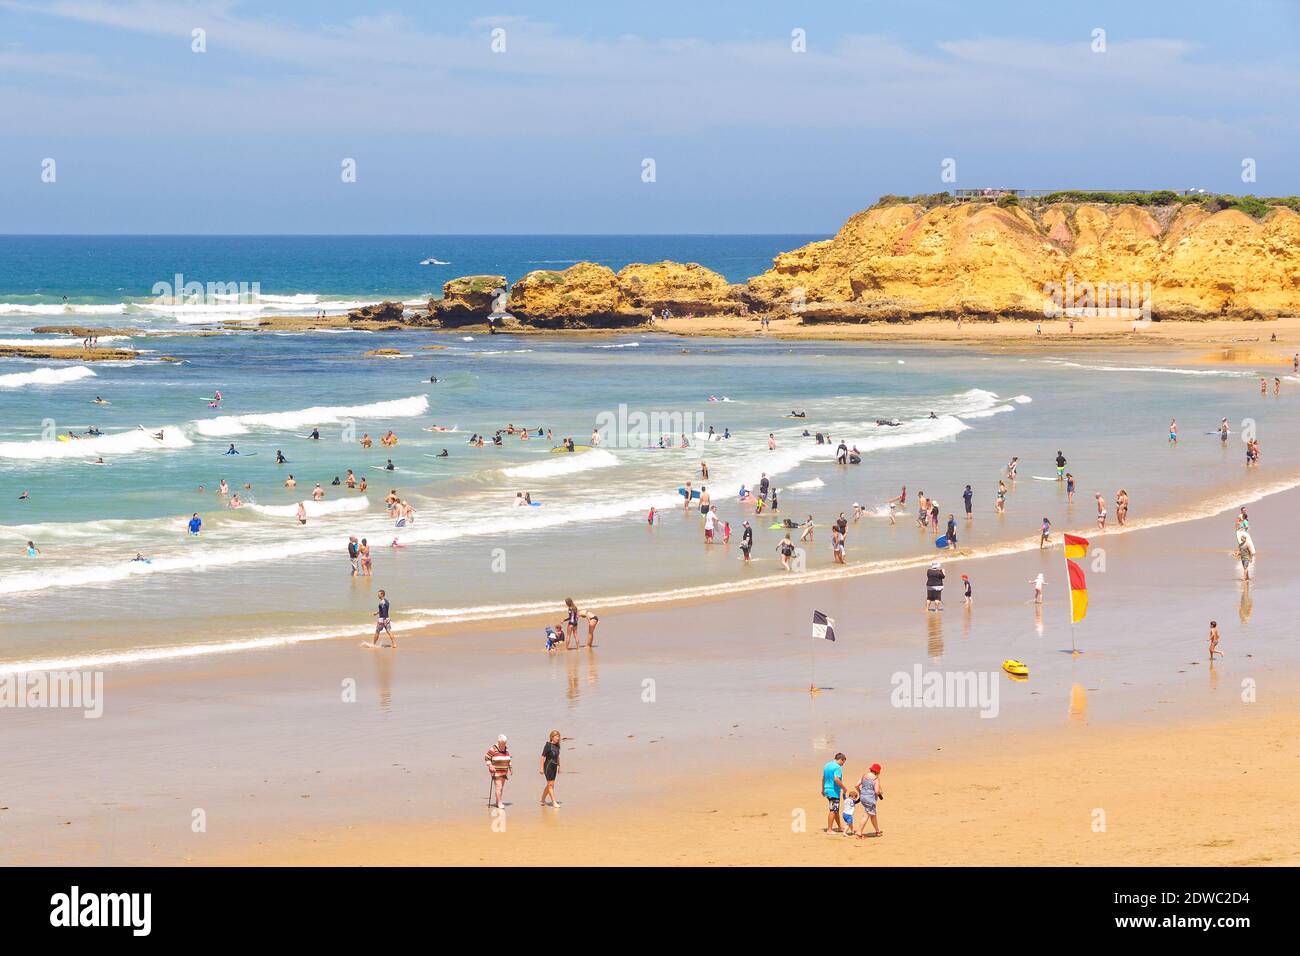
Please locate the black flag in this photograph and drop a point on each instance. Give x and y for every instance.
(823, 627)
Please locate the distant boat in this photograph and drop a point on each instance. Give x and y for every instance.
(433, 262)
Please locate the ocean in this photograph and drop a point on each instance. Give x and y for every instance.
(255, 577)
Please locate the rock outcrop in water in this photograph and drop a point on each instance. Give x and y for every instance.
(585, 295)
(385, 311)
(682, 289)
(466, 300)
(985, 260)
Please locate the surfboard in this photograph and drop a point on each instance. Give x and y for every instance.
(682, 492)
(534, 504)
(1044, 478)
(705, 436)
(941, 541)
(560, 449)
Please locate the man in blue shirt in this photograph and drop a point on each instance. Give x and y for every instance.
(195, 523)
(832, 788)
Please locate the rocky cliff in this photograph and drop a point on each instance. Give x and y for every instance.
(973, 259)
(467, 300)
(681, 289)
(982, 259)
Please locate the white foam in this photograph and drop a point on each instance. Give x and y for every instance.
(121, 443)
(805, 485)
(314, 509)
(46, 376)
(564, 464)
(18, 308)
(226, 425)
(619, 345)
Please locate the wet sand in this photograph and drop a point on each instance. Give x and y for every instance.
(703, 707)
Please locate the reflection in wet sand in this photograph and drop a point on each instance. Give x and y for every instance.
(1078, 703)
(384, 679)
(934, 628)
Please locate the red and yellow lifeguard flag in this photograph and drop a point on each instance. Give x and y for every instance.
(1078, 590)
(1076, 547)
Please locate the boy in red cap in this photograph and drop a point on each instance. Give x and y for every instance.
(966, 590)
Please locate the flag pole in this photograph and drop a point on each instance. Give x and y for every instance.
(1069, 606)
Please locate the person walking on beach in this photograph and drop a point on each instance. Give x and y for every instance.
(746, 540)
(968, 595)
(1214, 640)
(1000, 506)
(1045, 534)
(195, 524)
(869, 796)
(1245, 553)
(833, 789)
(966, 497)
(1069, 487)
(1038, 583)
(1101, 511)
(1173, 431)
(1012, 465)
(771, 441)
(550, 766)
(1060, 466)
(382, 621)
(688, 495)
(934, 587)
(354, 555)
(837, 544)
(951, 533)
(1121, 507)
(497, 759)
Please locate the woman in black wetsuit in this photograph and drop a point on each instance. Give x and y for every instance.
(550, 765)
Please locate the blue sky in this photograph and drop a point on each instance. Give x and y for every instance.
(550, 135)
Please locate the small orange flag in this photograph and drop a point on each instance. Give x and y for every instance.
(1076, 547)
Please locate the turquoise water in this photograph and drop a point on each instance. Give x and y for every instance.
(256, 575)
(105, 276)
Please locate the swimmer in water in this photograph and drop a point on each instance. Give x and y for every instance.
(279, 458)
(140, 557)
(390, 466)
(434, 379)
(315, 434)
(232, 450)
(100, 401)
(32, 550)
(302, 512)
(443, 454)
(24, 496)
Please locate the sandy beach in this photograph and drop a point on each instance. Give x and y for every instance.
(331, 752)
